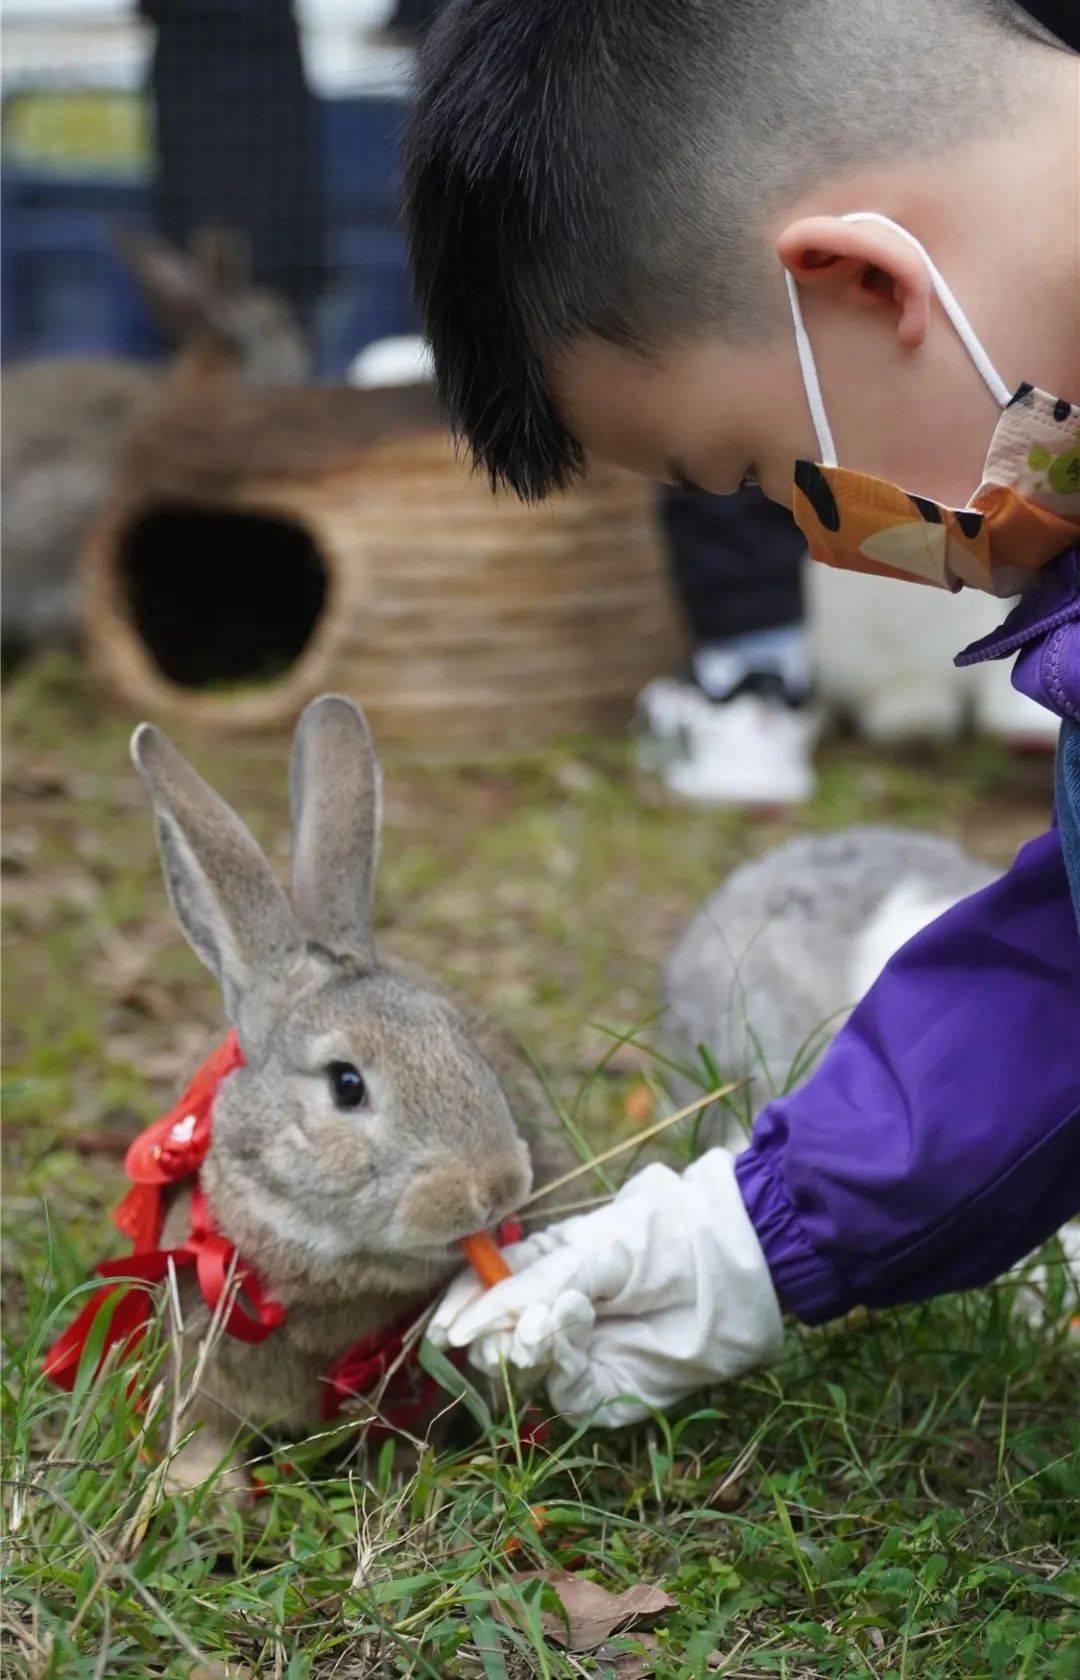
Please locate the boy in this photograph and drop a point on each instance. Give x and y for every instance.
(711, 240)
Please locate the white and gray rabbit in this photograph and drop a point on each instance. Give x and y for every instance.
(372, 1123)
(778, 955)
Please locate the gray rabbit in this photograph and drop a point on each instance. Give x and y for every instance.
(372, 1124)
(66, 419)
(777, 956)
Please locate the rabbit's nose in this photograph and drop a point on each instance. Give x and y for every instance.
(498, 1193)
(450, 1200)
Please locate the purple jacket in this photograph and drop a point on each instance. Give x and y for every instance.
(939, 1139)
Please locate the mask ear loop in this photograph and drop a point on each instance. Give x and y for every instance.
(964, 329)
(811, 383)
(966, 332)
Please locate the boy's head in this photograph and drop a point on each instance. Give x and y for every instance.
(602, 193)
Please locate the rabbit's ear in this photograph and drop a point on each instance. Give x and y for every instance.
(176, 289)
(227, 899)
(222, 256)
(335, 807)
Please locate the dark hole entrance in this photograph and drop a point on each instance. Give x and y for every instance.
(221, 598)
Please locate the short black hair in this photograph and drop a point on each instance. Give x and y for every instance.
(604, 167)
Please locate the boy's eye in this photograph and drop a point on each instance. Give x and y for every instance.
(346, 1085)
(681, 480)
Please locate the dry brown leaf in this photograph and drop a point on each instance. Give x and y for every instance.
(19, 848)
(728, 1496)
(44, 777)
(629, 1665)
(147, 998)
(592, 1613)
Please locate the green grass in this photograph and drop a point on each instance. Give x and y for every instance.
(897, 1498)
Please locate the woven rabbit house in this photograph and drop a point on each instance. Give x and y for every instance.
(263, 546)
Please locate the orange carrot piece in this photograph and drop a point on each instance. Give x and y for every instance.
(538, 1513)
(482, 1253)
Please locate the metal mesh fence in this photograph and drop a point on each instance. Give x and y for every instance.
(278, 122)
(277, 119)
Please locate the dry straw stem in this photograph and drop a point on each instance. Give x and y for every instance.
(581, 1206)
(634, 1142)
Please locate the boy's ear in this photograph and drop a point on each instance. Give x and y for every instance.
(867, 261)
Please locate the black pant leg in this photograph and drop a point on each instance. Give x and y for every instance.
(238, 138)
(736, 562)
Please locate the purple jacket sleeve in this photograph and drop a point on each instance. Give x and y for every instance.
(939, 1140)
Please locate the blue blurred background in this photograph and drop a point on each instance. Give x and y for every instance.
(280, 120)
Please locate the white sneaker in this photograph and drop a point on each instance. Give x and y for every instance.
(752, 750)
(662, 717)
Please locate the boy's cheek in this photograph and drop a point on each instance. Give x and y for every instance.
(715, 411)
(711, 411)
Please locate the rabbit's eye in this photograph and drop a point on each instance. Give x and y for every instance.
(346, 1085)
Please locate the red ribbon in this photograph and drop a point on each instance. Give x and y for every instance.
(411, 1395)
(167, 1152)
(211, 1254)
(128, 1322)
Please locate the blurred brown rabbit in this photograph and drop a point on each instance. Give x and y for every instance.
(66, 419)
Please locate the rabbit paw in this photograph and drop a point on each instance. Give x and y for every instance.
(208, 1457)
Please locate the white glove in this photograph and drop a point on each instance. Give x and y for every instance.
(663, 1291)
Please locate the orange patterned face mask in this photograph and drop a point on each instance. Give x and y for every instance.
(1024, 513)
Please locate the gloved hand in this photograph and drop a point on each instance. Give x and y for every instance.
(663, 1291)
